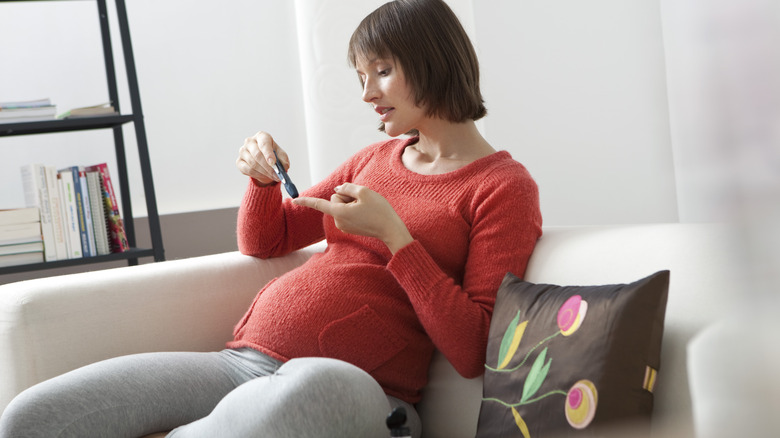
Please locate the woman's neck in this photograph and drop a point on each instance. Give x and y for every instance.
(445, 146)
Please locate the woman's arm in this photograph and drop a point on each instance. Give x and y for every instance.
(506, 225)
(269, 226)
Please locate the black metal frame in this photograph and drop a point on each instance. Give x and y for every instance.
(114, 123)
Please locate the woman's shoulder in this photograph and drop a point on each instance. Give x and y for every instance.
(502, 170)
(505, 184)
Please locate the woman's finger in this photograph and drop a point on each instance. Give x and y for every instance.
(316, 203)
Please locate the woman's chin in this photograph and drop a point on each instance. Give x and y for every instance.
(389, 130)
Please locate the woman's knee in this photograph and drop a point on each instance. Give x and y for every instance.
(31, 414)
(326, 371)
(336, 393)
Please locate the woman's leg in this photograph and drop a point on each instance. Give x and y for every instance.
(125, 397)
(311, 397)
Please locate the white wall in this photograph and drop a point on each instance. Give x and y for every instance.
(575, 90)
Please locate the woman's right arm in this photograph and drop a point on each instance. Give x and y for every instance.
(267, 226)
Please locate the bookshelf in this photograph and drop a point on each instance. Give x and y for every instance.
(116, 124)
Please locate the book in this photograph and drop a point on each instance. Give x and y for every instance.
(19, 216)
(13, 234)
(116, 227)
(87, 207)
(21, 241)
(21, 248)
(36, 194)
(21, 259)
(83, 221)
(58, 222)
(70, 216)
(99, 218)
(32, 114)
(26, 104)
(103, 109)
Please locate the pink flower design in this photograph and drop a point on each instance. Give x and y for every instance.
(571, 314)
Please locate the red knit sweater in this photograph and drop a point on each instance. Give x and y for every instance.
(386, 313)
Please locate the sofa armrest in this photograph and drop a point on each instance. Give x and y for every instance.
(53, 325)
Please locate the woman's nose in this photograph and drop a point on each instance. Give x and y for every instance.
(370, 91)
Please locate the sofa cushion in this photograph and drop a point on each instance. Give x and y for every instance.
(571, 359)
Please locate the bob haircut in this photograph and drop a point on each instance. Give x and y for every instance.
(435, 53)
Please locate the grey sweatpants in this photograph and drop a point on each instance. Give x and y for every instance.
(232, 393)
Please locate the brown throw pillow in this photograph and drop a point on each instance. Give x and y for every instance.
(569, 360)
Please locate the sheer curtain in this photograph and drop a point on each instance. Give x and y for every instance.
(723, 74)
(723, 69)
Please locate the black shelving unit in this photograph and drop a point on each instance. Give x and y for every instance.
(115, 123)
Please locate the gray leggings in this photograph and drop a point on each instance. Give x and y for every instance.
(232, 393)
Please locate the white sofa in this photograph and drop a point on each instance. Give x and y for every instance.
(52, 325)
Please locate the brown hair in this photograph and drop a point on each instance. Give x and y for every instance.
(435, 53)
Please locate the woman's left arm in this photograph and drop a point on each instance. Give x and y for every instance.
(506, 225)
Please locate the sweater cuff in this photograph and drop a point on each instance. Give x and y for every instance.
(257, 197)
(414, 269)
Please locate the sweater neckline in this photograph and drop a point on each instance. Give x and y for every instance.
(470, 169)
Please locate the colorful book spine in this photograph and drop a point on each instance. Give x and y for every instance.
(115, 224)
(99, 219)
(81, 216)
(68, 196)
(87, 206)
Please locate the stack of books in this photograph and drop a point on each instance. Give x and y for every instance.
(104, 109)
(27, 111)
(78, 209)
(20, 237)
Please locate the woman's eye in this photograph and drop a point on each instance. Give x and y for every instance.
(384, 72)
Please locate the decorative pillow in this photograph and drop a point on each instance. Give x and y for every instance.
(567, 360)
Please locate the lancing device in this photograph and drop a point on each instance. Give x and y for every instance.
(286, 182)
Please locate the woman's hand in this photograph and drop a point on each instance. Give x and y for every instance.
(362, 211)
(256, 158)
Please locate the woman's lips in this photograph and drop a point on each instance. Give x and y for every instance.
(384, 112)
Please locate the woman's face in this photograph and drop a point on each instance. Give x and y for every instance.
(385, 88)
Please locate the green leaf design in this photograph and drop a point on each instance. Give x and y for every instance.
(536, 376)
(506, 342)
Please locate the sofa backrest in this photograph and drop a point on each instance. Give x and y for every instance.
(52, 325)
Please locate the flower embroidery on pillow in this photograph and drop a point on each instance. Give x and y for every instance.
(580, 401)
